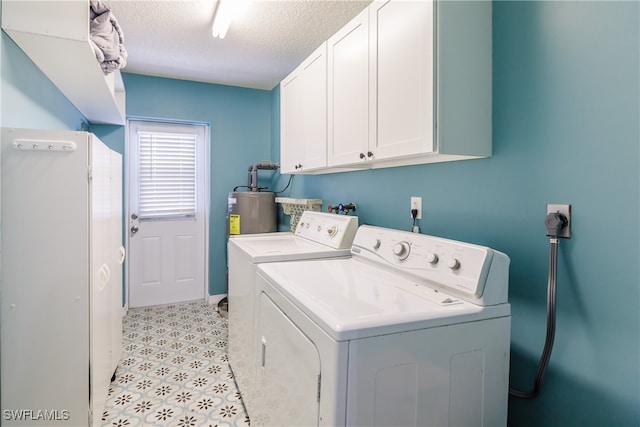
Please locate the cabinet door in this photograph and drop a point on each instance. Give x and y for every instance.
(304, 115)
(314, 108)
(290, 124)
(401, 67)
(44, 297)
(116, 258)
(100, 286)
(348, 96)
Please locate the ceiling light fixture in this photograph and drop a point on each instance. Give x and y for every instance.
(225, 13)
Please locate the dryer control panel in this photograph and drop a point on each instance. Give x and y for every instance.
(336, 231)
(477, 274)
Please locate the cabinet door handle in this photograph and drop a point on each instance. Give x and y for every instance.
(105, 275)
(264, 352)
(369, 154)
(362, 155)
(122, 253)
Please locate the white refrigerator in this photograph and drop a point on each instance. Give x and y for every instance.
(61, 283)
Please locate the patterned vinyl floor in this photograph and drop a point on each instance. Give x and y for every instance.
(174, 370)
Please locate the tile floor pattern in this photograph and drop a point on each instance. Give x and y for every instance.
(174, 370)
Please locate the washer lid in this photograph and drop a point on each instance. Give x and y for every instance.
(351, 299)
(285, 246)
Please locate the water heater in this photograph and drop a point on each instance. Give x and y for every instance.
(251, 212)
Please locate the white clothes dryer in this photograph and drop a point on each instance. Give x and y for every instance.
(318, 235)
(412, 330)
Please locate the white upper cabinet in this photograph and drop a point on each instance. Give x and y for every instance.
(55, 36)
(409, 82)
(348, 93)
(381, 85)
(401, 79)
(303, 115)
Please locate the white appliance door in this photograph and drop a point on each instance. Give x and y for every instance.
(288, 376)
(116, 258)
(101, 273)
(44, 298)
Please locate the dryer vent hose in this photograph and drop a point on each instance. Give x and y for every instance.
(551, 325)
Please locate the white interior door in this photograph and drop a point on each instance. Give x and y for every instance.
(167, 212)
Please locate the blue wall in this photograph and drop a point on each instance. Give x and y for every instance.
(240, 122)
(566, 130)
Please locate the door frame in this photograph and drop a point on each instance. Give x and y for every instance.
(127, 210)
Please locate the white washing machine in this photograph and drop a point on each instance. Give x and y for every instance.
(318, 235)
(412, 330)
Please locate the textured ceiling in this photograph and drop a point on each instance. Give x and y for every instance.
(172, 38)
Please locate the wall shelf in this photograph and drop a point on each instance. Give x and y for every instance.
(55, 36)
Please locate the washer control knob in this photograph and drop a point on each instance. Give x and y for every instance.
(401, 250)
(454, 263)
(331, 231)
(431, 258)
(376, 244)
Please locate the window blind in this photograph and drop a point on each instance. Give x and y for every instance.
(167, 175)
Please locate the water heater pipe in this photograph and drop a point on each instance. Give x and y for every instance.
(253, 173)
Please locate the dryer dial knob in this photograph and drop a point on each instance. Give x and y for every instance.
(401, 250)
(453, 264)
(431, 258)
(331, 231)
(376, 244)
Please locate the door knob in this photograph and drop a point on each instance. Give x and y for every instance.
(134, 217)
(134, 229)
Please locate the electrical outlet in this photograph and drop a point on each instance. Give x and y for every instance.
(416, 203)
(566, 211)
